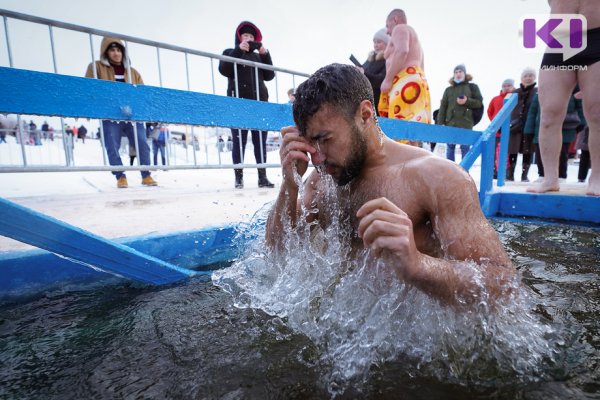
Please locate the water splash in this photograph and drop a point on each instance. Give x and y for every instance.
(361, 316)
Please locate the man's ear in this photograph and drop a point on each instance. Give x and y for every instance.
(366, 110)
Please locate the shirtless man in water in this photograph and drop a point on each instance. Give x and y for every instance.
(405, 92)
(555, 88)
(418, 212)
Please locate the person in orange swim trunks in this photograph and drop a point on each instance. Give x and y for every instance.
(404, 91)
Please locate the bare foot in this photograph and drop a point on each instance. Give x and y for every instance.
(545, 186)
(593, 189)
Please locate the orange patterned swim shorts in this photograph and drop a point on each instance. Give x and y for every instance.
(409, 98)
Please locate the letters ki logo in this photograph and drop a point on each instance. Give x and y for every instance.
(555, 33)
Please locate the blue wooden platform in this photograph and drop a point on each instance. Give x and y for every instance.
(27, 272)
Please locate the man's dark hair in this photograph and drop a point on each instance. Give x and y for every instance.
(340, 85)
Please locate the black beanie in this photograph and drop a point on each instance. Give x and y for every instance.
(248, 29)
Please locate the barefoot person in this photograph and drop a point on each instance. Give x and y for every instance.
(417, 212)
(404, 90)
(555, 88)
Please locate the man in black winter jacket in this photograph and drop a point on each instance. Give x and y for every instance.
(248, 46)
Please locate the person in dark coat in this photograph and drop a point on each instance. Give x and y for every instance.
(82, 133)
(249, 47)
(374, 67)
(518, 142)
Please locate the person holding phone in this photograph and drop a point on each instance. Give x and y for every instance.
(456, 107)
(248, 46)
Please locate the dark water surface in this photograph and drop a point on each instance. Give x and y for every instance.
(189, 341)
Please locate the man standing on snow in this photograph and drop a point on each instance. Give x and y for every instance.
(114, 65)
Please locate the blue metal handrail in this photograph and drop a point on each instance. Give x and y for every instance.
(485, 146)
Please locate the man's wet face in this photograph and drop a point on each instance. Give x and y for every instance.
(329, 151)
(356, 158)
(341, 148)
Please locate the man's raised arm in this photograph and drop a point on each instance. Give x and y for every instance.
(294, 154)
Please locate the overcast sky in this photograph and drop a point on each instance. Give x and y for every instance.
(301, 35)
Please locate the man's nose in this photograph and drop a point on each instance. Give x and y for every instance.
(317, 157)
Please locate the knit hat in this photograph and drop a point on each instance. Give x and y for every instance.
(115, 44)
(508, 82)
(248, 29)
(382, 35)
(460, 67)
(527, 71)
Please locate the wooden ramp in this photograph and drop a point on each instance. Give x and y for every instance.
(45, 232)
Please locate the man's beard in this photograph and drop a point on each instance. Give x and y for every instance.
(356, 159)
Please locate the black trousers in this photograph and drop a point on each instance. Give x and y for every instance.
(259, 141)
(585, 164)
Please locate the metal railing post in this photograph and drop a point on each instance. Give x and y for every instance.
(68, 151)
(212, 73)
(159, 70)
(101, 125)
(11, 64)
(8, 50)
(187, 80)
(235, 80)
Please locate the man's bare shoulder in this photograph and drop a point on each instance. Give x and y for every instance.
(403, 29)
(428, 172)
(434, 169)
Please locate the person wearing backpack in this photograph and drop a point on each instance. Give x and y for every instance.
(518, 142)
(458, 105)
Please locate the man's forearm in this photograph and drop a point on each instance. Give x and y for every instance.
(462, 282)
(285, 209)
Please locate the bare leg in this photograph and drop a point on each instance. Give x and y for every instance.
(554, 92)
(589, 82)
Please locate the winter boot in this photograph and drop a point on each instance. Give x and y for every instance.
(122, 182)
(510, 171)
(262, 179)
(524, 173)
(239, 178)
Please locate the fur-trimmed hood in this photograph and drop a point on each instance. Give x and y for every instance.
(104, 46)
(468, 78)
(375, 56)
(238, 36)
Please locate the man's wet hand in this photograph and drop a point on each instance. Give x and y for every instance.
(294, 150)
(384, 226)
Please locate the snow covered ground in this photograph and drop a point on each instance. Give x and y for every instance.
(184, 199)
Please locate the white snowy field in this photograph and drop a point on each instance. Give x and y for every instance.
(183, 200)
